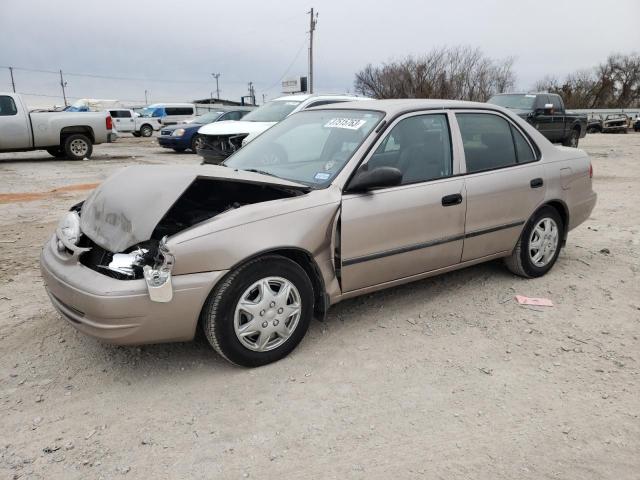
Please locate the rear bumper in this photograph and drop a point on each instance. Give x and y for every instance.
(120, 311)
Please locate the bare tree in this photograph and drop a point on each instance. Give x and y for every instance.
(612, 84)
(461, 73)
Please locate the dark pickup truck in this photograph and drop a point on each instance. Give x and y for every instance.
(546, 112)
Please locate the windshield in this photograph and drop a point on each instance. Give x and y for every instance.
(207, 118)
(272, 111)
(151, 112)
(518, 102)
(309, 147)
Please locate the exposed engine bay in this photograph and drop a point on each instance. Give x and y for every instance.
(219, 147)
(205, 198)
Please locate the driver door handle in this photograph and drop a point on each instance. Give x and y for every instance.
(449, 200)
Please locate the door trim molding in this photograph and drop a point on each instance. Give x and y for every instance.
(419, 246)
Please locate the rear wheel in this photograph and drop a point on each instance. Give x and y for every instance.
(77, 147)
(573, 138)
(539, 245)
(146, 131)
(135, 134)
(196, 143)
(260, 312)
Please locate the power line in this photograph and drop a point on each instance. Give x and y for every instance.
(114, 77)
(290, 65)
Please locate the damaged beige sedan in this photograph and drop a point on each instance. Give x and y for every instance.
(329, 204)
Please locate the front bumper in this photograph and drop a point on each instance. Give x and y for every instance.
(174, 142)
(120, 311)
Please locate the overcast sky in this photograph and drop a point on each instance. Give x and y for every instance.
(170, 47)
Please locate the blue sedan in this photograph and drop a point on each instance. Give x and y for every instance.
(185, 136)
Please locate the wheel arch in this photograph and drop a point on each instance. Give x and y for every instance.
(81, 129)
(307, 262)
(561, 207)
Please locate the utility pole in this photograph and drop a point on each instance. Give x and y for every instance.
(313, 20)
(63, 84)
(252, 93)
(13, 83)
(146, 102)
(216, 76)
(264, 99)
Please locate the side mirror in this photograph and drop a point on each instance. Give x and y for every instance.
(378, 177)
(548, 108)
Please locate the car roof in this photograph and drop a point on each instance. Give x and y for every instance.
(403, 105)
(306, 96)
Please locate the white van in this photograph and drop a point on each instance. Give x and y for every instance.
(170, 113)
(127, 121)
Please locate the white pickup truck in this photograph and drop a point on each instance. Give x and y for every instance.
(62, 134)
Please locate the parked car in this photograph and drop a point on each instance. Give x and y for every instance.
(62, 134)
(167, 114)
(615, 123)
(221, 139)
(128, 121)
(546, 112)
(594, 124)
(185, 136)
(328, 204)
(636, 124)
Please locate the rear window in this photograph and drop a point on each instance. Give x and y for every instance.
(179, 110)
(7, 106)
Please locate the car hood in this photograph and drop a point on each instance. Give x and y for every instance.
(234, 127)
(125, 209)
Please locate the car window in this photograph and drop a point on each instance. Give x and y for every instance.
(487, 141)
(232, 116)
(557, 104)
(419, 146)
(7, 106)
(523, 149)
(125, 114)
(179, 110)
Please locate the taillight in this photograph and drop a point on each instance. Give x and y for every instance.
(590, 170)
(109, 122)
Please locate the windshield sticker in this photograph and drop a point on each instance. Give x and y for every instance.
(348, 123)
(530, 96)
(322, 176)
(329, 165)
(291, 103)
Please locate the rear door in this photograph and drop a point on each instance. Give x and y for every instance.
(416, 227)
(14, 125)
(504, 182)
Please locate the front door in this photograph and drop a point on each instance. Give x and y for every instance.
(412, 228)
(14, 125)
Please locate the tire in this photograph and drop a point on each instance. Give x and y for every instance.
(179, 150)
(56, 152)
(136, 134)
(196, 142)
(146, 130)
(222, 316)
(77, 147)
(573, 139)
(521, 262)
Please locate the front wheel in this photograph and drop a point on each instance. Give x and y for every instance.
(573, 139)
(260, 312)
(77, 147)
(539, 245)
(196, 143)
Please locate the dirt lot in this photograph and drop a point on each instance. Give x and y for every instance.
(444, 378)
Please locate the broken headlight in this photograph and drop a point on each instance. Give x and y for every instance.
(158, 277)
(69, 228)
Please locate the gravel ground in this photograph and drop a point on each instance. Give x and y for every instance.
(443, 378)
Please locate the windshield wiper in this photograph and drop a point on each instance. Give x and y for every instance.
(255, 170)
